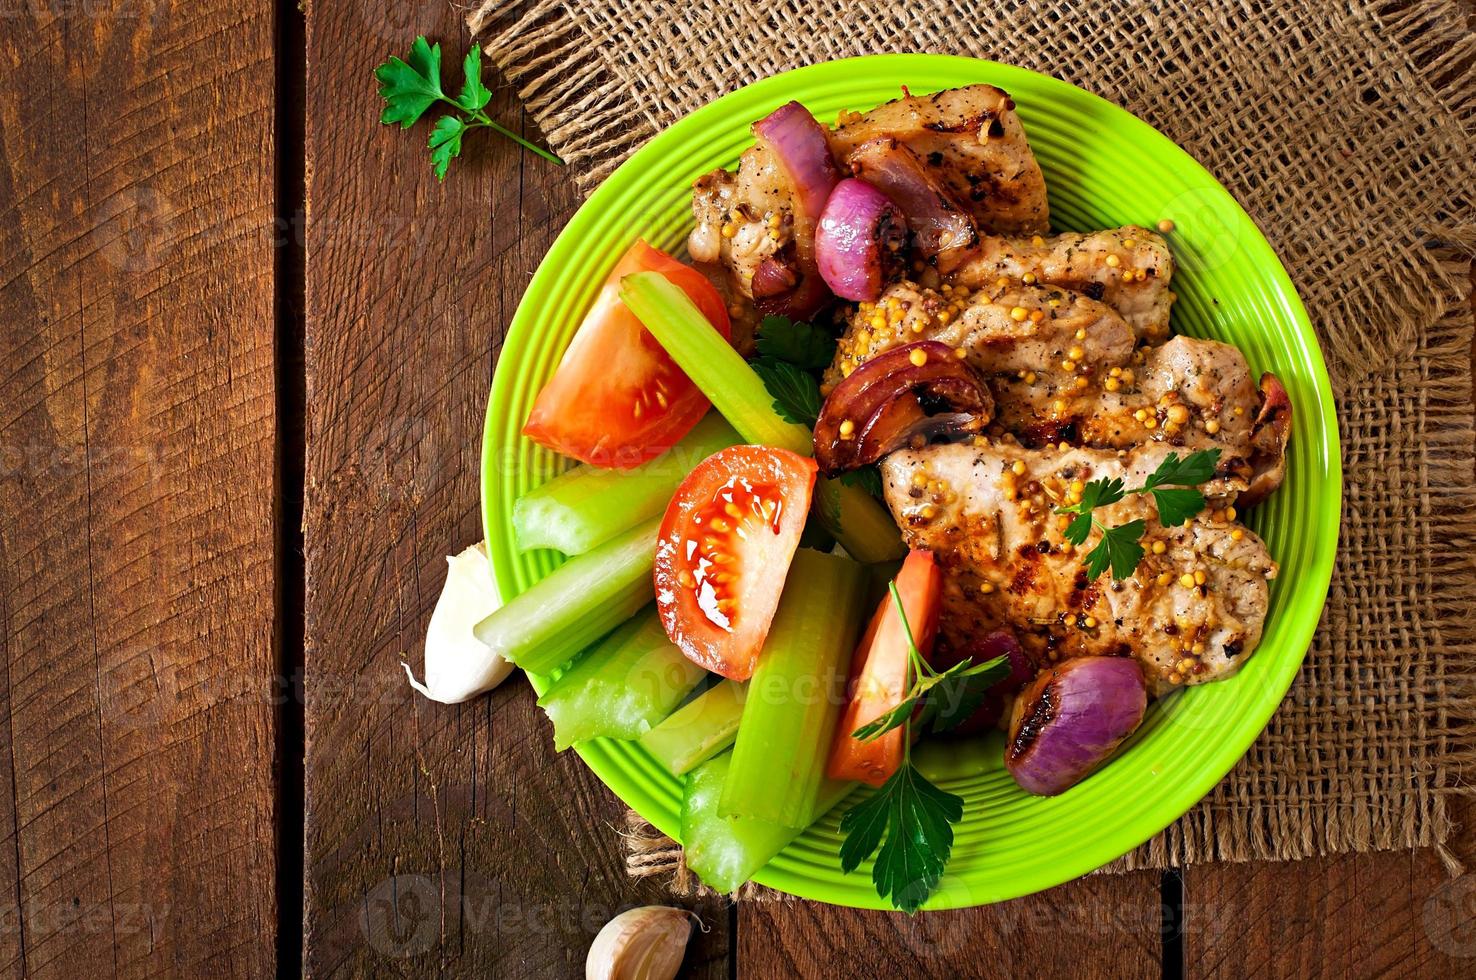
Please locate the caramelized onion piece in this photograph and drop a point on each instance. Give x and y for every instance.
(915, 392)
(799, 145)
(944, 234)
(859, 242)
(1070, 719)
(1269, 436)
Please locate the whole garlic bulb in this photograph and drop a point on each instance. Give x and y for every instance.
(645, 943)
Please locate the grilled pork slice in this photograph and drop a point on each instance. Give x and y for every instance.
(1127, 268)
(1014, 327)
(745, 222)
(972, 142)
(1191, 612)
(1188, 394)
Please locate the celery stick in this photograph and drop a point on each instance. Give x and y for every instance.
(725, 852)
(699, 730)
(630, 680)
(864, 529)
(588, 506)
(710, 361)
(579, 602)
(796, 692)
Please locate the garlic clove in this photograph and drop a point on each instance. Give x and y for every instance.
(645, 943)
(459, 666)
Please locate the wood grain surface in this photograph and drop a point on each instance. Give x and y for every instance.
(147, 340)
(137, 490)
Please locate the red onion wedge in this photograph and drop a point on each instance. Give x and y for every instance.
(798, 144)
(914, 392)
(1269, 436)
(1070, 719)
(858, 244)
(943, 232)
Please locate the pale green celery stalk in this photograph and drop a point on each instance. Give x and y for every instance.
(796, 693)
(576, 604)
(588, 506)
(628, 682)
(698, 730)
(865, 529)
(725, 852)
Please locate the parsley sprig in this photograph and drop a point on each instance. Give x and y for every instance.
(915, 817)
(1175, 489)
(410, 86)
(790, 353)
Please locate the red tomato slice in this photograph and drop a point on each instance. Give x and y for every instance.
(617, 399)
(724, 551)
(879, 673)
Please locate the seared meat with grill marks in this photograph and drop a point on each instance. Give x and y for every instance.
(1190, 613)
(1008, 328)
(973, 144)
(1063, 368)
(1127, 268)
(745, 221)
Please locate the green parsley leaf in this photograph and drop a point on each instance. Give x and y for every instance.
(868, 478)
(474, 95)
(958, 696)
(410, 87)
(445, 143)
(940, 695)
(804, 345)
(1079, 529)
(1118, 548)
(796, 395)
(1190, 471)
(917, 820)
(1177, 505)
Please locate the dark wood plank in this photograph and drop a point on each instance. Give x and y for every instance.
(1361, 915)
(1099, 927)
(439, 838)
(136, 433)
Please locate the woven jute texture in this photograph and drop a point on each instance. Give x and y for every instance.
(1348, 131)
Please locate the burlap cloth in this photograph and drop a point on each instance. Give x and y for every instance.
(1348, 131)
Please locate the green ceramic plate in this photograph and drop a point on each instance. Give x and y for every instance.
(1104, 168)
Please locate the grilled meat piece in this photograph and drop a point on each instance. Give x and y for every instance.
(1009, 328)
(971, 140)
(986, 512)
(745, 221)
(1188, 393)
(1097, 263)
(1062, 368)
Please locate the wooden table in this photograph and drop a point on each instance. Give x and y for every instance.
(245, 356)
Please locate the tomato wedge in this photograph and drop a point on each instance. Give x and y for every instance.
(879, 673)
(617, 399)
(724, 551)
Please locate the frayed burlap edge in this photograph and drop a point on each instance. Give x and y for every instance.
(542, 49)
